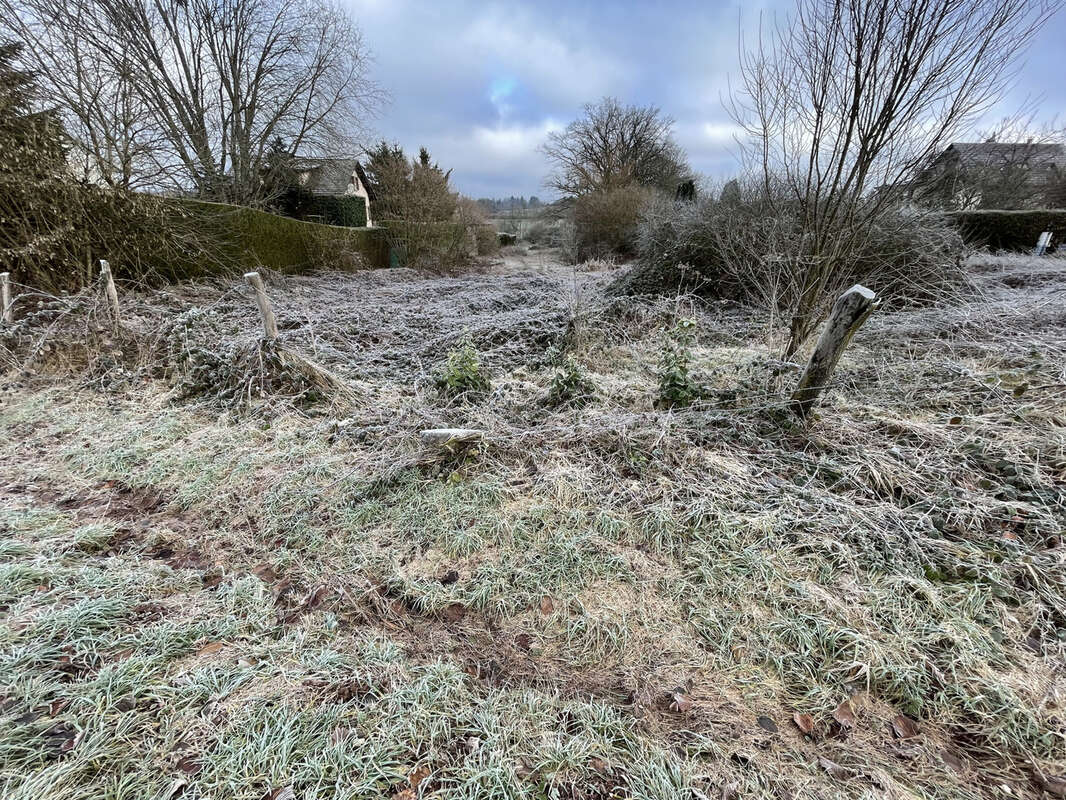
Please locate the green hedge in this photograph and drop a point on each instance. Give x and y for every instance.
(1010, 230)
(247, 238)
(347, 211)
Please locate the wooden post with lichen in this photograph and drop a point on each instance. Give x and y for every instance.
(109, 289)
(849, 313)
(5, 297)
(266, 311)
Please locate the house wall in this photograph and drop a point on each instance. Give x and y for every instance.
(356, 188)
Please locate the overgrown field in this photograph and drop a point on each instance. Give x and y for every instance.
(215, 583)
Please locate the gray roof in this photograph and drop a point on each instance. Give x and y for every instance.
(329, 175)
(1037, 155)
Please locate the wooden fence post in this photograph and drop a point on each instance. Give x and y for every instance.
(1042, 243)
(5, 297)
(849, 313)
(109, 288)
(266, 311)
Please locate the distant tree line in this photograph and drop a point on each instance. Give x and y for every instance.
(503, 205)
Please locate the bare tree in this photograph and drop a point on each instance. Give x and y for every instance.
(849, 96)
(192, 93)
(612, 146)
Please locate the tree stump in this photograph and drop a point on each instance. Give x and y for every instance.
(849, 313)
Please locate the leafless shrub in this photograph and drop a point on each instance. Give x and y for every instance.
(845, 101)
(605, 221)
(750, 249)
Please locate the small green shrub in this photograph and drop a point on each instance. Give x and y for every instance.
(570, 386)
(461, 374)
(677, 388)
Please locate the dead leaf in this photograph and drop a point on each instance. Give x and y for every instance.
(419, 775)
(546, 605)
(767, 724)
(207, 649)
(315, 598)
(904, 727)
(834, 769)
(265, 572)
(845, 714)
(953, 761)
(212, 580)
(681, 702)
(57, 706)
(190, 764)
(805, 722)
(454, 612)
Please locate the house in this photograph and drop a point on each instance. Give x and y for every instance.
(1005, 175)
(334, 177)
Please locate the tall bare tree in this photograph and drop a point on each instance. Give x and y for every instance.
(846, 96)
(613, 145)
(192, 93)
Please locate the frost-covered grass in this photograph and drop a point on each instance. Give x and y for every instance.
(609, 598)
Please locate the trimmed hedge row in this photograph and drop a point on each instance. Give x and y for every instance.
(347, 212)
(247, 238)
(1009, 230)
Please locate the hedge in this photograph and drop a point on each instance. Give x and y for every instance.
(347, 211)
(1010, 230)
(247, 238)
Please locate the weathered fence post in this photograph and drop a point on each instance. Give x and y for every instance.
(109, 288)
(5, 297)
(849, 313)
(1042, 243)
(266, 311)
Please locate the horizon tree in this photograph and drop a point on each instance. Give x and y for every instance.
(614, 145)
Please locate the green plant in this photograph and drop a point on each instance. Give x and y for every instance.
(676, 385)
(570, 386)
(461, 373)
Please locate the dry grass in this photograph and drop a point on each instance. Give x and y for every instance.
(607, 598)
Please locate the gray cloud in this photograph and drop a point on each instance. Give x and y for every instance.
(482, 84)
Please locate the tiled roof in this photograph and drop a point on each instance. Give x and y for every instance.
(329, 175)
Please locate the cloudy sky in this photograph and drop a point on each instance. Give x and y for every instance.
(481, 84)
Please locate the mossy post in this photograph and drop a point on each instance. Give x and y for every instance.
(849, 313)
(266, 311)
(110, 290)
(5, 297)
